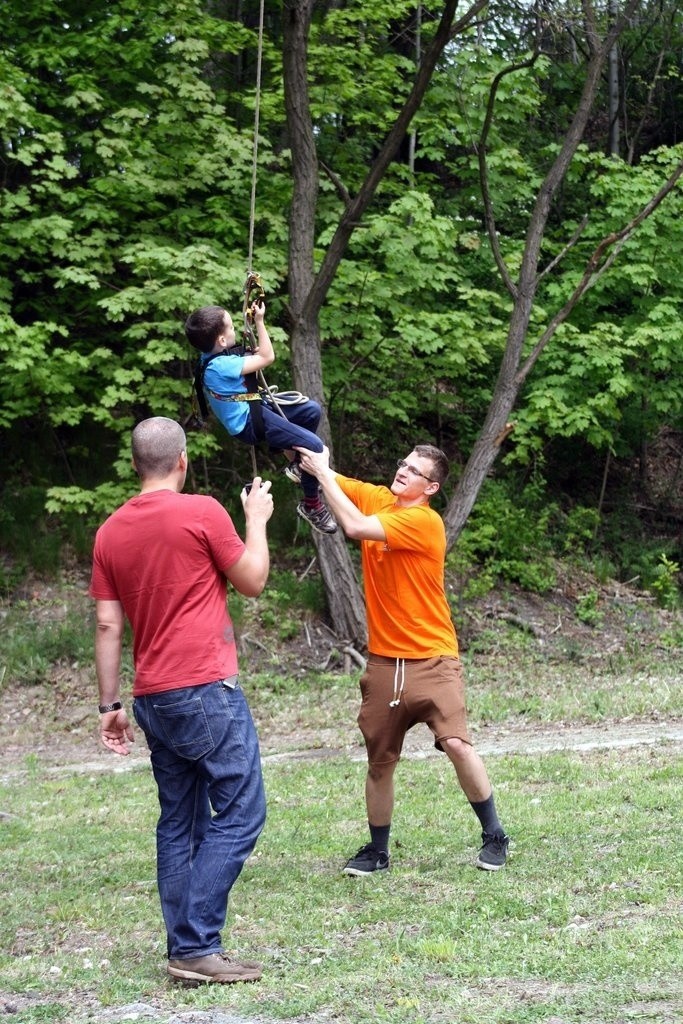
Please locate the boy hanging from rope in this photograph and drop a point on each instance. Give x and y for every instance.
(227, 375)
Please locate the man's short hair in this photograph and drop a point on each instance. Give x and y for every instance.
(438, 460)
(157, 444)
(204, 327)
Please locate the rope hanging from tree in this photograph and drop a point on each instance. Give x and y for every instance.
(253, 286)
(257, 114)
(253, 291)
(253, 281)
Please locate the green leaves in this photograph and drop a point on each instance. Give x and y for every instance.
(126, 203)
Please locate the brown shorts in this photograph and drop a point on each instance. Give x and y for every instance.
(398, 693)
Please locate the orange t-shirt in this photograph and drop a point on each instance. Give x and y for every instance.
(407, 611)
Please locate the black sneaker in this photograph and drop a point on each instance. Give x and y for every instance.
(493, 853)
(293, 471)
(319, 518)
(367, 860)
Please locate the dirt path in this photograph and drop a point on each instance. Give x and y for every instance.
(490, 742)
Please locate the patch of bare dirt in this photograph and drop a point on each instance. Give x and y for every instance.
(52, 721)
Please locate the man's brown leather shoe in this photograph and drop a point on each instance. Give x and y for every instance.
(216, 967)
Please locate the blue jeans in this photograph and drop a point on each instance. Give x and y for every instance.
(297, 426)
(205, 758)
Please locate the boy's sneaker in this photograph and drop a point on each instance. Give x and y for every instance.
(318, 517)
(367, 860)
(493, 853)
(216, 968)
(293, 471)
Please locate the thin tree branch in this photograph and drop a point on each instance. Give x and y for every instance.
(598, 49)
(339, 185)
(489, 216)
(350, 219)
(648, 104)
(597, 265)
(570, 245)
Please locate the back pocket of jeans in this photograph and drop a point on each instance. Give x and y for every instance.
(186, 728)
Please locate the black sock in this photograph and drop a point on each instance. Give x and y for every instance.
(313, 502)
(485, 810)
(379, 834)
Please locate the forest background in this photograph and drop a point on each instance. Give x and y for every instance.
(468, 222)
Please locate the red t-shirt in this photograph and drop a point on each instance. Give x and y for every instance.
(164, 556)
(403, 578)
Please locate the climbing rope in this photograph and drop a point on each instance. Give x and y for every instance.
(253, 284)
(253, 280)
(257, 114)
(253, 291)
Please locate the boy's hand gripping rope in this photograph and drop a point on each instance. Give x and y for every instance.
(253, 292)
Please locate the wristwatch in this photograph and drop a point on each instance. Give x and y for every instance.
(115, 706)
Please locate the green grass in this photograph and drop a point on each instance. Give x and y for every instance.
(583, 925)
(32, 646)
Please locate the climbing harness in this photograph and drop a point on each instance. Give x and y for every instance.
(258, 394)
(261, 393)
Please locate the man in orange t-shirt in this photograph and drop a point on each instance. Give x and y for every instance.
(413, 672)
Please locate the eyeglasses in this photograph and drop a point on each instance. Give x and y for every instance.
(402, 464)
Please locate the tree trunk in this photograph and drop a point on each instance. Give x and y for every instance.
(344, 597)
(307, 290)
(613, 79)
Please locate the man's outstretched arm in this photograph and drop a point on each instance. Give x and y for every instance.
(353, 522)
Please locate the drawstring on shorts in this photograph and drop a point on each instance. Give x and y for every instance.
(400, 665)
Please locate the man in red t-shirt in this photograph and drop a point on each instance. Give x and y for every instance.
(163, 561)
(413, 672)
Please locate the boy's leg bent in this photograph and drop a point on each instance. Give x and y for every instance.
(288, 431)
(304, 414)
